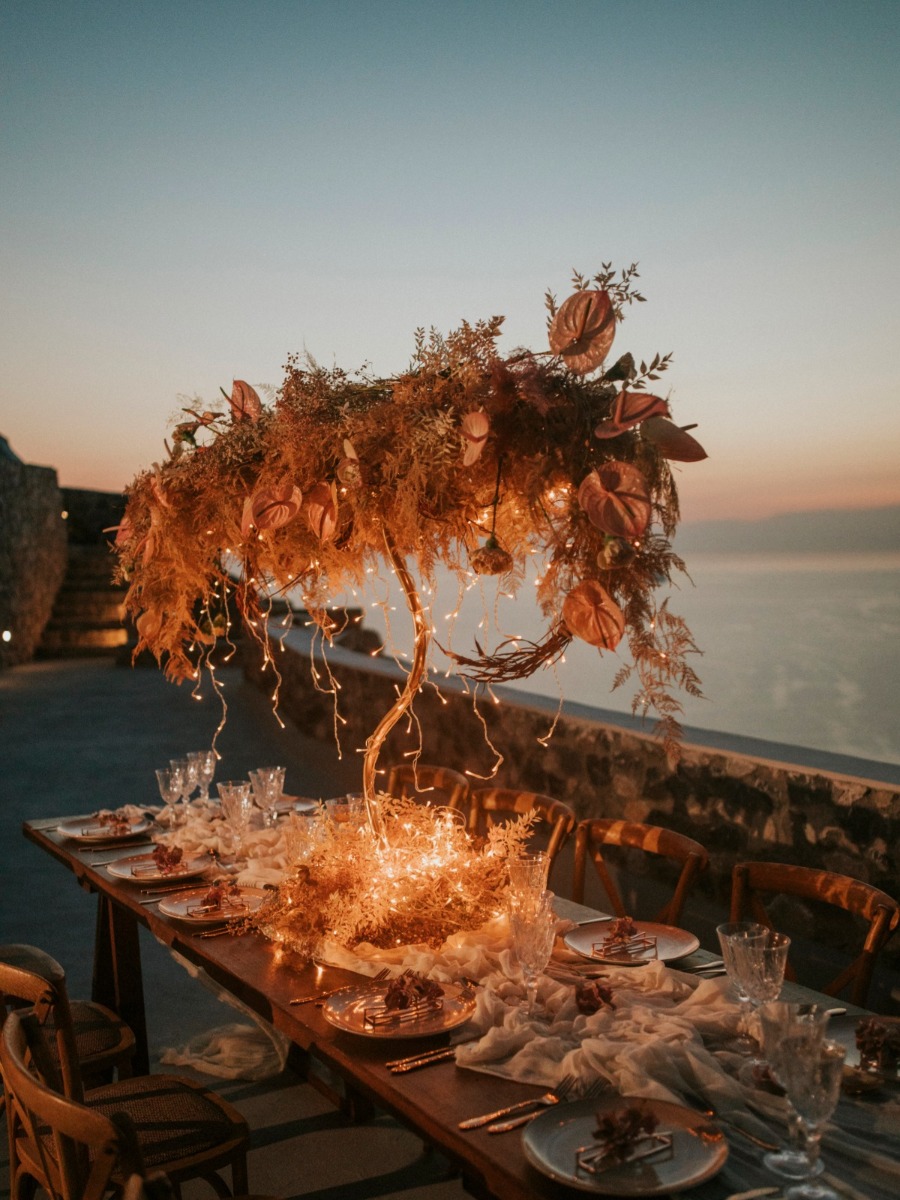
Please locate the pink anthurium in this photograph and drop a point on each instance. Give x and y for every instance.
(270, 508)
(321, 511)
(616, 499)
(583, 330)
(475, 427)
(245, 402)
(631, 408)
(590, 613)
(672, 441)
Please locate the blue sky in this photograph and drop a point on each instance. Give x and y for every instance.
(189, 191)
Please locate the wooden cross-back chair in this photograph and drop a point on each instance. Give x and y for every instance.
(592, 835)
(432, 784)
(102, 1040)
(751, 881)
(67, 1149)
(182, 1128)
(490, 805)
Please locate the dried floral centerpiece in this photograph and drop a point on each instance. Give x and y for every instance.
(469, 459)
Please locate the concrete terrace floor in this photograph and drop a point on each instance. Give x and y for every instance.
(85, 733)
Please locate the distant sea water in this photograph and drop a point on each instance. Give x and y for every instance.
(798, 648)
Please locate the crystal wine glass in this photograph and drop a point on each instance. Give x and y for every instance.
(205, 762)
(811, 1072)
(527, 877)
(169, 783)
(237, 806)
(534, 929)
(268, 786)
(731, 935)
(188, 776)
(780, 1020)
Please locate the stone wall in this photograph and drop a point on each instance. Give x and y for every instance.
(32, 553)
(738, 805)
(89, 513)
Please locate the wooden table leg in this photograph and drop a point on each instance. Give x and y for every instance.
(118, 982)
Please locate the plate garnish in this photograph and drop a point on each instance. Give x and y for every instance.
(625, 941)
(626, 1136)
(409, 997)
(226, 899)
(163, 860)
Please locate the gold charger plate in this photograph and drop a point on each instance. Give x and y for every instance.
(89, 829)
(346, 1010)
(179, 906)
(140, 868)
(699, 1149)
(671, 943)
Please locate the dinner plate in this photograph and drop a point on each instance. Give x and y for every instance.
(89, 829)
(181, 904)
(140, 868)
(346, 1010)
(552, 1140)
(671, 943)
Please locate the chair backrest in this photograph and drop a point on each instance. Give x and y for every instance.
(434, 785)
(70, 1150)
(753, 880)
(42, 985)
(490, 805)
(592, 835)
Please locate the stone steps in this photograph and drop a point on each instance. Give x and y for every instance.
(89, 612)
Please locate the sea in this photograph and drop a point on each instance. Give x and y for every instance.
(801, 649)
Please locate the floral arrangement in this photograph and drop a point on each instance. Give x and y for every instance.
(469, 458)
(425, 880)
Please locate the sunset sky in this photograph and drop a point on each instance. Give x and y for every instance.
(190, 191)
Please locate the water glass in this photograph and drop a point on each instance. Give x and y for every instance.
(527, 877)
(533, 929)
(811, 1072)
(781, 1021)
(760, 966)
(237, 806)
(268, 787)
(205, 765)
(346, 809)
(169, 784)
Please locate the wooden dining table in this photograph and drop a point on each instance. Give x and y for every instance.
(431, 1101)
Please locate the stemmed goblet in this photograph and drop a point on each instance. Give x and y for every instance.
(169, 782)
(781, 1021)
(811, 1071)
(188, 776)
(533, 925)
(205, 764)
(268, 786)
(732, 935)
(237, 806)
(527, 876)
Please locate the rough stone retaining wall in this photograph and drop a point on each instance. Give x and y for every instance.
(739, 806)
(32, 553)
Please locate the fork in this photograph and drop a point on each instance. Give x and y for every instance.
(561, 1090)
(316, 996)
(594, 1089)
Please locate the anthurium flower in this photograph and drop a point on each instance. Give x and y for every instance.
(590, 613)
(672, 441)
(616, 500)
(631, 408)
(321, 511)
(474, 428)
(245, 402)
(583, 330)
(269, 508)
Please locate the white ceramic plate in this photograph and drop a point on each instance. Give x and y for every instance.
(140, 868)
(181, 905)
(699, 1149)
(89, 829)
(346, 1010)
(671, 943)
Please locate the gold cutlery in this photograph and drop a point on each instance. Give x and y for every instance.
(425, 1060)
(317, 996)
(545, 1101)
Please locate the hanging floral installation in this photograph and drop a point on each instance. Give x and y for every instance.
(470, 459)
